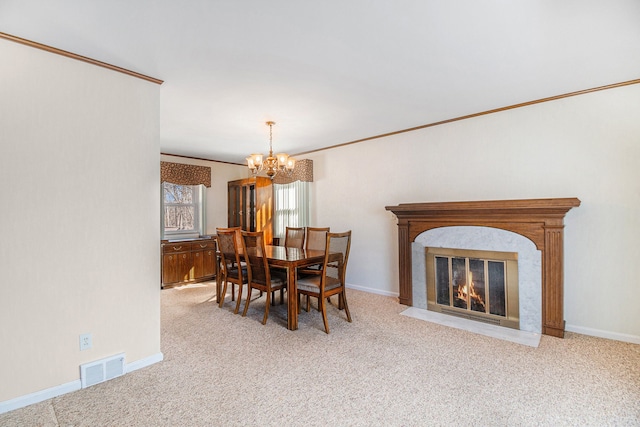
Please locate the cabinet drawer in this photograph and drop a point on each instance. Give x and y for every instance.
(200, 246)
(176, 247)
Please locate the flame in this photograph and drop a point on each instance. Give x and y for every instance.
(467, 293)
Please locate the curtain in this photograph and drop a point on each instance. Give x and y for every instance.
(183, 174)
(291, 206)
(302, 172)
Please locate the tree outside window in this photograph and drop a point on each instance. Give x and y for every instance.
(182, 207)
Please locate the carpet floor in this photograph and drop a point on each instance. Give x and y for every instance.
(383, 369)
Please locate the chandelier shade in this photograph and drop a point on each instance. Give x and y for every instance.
(272, 165)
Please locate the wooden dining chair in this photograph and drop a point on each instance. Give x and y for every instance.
(233, 269)
(332, 279)
(294, 237)
(260, 276)
(316, 239)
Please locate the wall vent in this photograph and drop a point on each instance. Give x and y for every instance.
(101, 370)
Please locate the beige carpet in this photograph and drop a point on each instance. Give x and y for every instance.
(383, 369)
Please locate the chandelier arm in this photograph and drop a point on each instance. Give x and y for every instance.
(271, 165)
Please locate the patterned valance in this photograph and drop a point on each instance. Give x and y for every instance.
(302, 172)
(180, 173)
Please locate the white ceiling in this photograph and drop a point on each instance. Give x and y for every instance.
(334, 71)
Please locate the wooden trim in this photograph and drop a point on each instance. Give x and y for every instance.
(540, 220)
(482, 113)
(78, 57)
(200, 158)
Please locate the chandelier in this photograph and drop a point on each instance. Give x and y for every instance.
(271, 165)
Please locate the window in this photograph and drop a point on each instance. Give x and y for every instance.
(291, 206)
(182, 211)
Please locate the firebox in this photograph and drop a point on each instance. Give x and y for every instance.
(477, 285)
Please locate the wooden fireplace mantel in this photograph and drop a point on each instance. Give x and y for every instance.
(540, 220)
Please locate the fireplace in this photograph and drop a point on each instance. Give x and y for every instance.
(539, 220)
(476, 285)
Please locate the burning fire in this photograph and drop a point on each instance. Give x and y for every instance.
(465, 292)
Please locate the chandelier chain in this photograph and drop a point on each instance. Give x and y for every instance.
(271, 137)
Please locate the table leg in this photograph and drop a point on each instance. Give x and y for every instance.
(292, 299)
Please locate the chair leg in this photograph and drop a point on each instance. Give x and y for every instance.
(324, 314)
(266, 308)
(246, 304)
(219, 282)
(281, 295)
(309, 299)
(224, 293)
(240, 298)
(233, 291)
(343, 301)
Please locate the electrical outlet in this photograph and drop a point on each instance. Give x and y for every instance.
(85, 342)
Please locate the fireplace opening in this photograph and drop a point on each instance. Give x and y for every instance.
(477, 285)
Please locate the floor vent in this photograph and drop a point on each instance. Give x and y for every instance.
(470, 316)
(101, 370)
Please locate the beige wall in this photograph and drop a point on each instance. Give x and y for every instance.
(79, 166)
(586, 146)
(216, 195)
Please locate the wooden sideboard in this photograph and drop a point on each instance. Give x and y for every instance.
(188, 261)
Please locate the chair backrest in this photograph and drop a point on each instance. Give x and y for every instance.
(238, 235)
(337, 243)
(254, 254)
(294, 237)
(317, 238)
(229, 245)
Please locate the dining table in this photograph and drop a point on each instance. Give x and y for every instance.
(291, 259)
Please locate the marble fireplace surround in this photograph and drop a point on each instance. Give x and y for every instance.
(539, 220)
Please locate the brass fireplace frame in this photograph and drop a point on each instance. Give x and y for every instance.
(540, 220)
(512, 316)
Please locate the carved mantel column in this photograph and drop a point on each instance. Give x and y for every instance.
(540, 220)
(404, 253)
(553, 277)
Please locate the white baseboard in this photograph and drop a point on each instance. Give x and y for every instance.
(143, 363)
(633, 339)
(372, 290)
(39, 396)
(59, 390)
